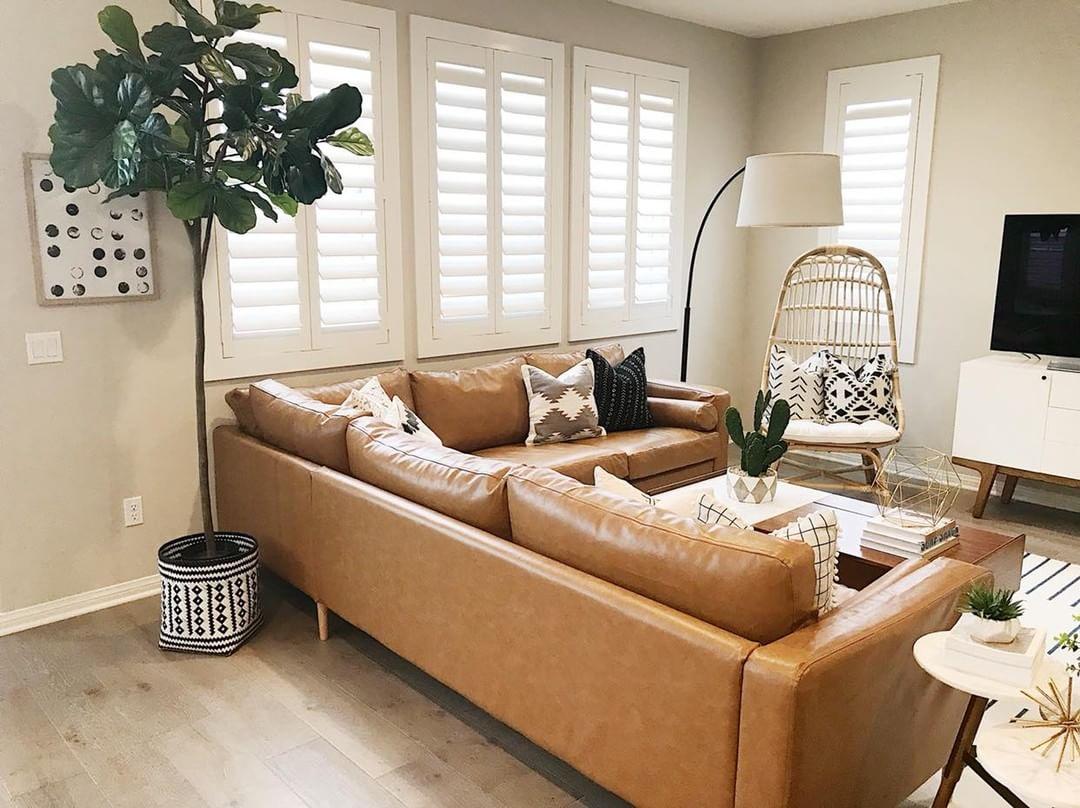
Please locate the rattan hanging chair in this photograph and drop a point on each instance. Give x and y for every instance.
(837, 298)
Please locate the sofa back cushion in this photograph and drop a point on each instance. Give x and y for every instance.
(475, 408)
(557, 363)
(465, 487)
(395, 382)
(756, 586)
(298, 423)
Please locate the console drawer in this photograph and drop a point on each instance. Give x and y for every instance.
(1063, 426)
(1065, 390)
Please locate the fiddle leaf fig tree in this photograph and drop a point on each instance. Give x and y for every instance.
(215, 125)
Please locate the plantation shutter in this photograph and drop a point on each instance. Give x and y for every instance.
(489, 165)
(346, 230)
(628, 151)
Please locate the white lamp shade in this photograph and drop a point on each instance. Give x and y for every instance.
(794, 189)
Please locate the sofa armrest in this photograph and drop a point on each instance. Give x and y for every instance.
(840, 707)
(697, 415)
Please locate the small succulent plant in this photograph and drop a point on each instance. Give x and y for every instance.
(762, 447)
(991, 604)
(1071, 642)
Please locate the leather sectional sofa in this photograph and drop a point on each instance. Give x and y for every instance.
(674, 665)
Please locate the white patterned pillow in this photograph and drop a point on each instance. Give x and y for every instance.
(564, 408)
(710, 512)
(606, 481)
(401, 417)
(798, 383)
(857, 396)
(369, 399)
(819, 530)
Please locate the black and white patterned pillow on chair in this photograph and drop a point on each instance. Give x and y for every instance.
(800, 384)
(856, 396)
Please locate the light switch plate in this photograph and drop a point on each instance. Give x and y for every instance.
(44, 347)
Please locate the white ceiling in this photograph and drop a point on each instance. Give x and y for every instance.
(758, 18)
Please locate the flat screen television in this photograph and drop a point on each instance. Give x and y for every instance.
(1038, 292)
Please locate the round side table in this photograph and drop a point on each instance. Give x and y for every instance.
(1017, 775)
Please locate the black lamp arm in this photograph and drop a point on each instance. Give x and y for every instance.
(690, 276)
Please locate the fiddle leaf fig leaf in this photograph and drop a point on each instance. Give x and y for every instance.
(233, 209)
(333, 176)
(197, 23)
(80, 157)
(326, 113)
(238, 15)
(189, 199)
(354, 141)
(120, 28)
(174, 42)
(133, 96)
(214, 64)
(285, 203)
(245, 172)
(156, 136)
(85, 99)
(126, 155)
(254, 60)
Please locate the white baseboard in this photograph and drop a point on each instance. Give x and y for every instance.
(73, 605)
(1045, 494)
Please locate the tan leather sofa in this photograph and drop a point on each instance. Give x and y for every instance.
(674, 665)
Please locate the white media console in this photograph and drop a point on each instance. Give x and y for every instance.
(1016, 417)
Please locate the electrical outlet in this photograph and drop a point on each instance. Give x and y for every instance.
(132, 511)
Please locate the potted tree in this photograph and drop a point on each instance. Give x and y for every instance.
(215, 126)
(754, 479)
(996, 612)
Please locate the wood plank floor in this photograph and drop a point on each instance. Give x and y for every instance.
(93, 715)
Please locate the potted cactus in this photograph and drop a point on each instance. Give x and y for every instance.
(754, 479)
(996, 612)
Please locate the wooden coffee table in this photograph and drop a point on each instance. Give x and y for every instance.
(1001, 553)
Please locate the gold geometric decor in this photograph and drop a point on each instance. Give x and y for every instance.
(1059, 717)
(916, 487)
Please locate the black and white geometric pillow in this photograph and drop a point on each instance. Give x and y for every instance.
(856, 396)
(801, 385)
(621, 396)
(820, 531)
(401, 417)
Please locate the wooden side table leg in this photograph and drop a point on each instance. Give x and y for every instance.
(965, 738)
(324, 621)
(987, 473)
(1008, 488)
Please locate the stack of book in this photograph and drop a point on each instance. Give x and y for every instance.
(909, 542)
(1013, 663)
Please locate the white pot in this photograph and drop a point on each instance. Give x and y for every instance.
(996, 631)
(744, 488)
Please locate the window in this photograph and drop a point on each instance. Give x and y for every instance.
(488, 167)
(880, 120)
(322, 289)
(626, 195)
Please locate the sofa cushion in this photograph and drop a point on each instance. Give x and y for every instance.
(475, 408)
(576, 459)
(660, 449)
(758, 587)
(298, 423)
(465, 487)
(558, 362)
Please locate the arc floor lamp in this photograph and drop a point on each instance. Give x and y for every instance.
(787, 189)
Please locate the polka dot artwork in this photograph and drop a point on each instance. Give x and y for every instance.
(73, 228)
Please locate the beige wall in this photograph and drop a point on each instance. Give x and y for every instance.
(115, 419)
(1006, 141)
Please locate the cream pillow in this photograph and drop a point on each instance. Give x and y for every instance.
(606, 481)
(368, 399)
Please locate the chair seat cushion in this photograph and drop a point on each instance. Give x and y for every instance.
(575, 459)
(842, 434)
(659, 449)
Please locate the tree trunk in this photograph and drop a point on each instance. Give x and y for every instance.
(200, 243)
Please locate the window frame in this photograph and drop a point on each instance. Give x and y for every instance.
(582, 326)
(466, 340)
(925, 69)
(285, 356)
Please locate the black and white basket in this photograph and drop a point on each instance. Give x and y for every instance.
(209, 606)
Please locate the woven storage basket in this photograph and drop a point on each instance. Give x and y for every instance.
(210, 606)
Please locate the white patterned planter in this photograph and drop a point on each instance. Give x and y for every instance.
(744, 488)
(209, 606)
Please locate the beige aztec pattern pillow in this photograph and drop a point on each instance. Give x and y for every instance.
(564, 408)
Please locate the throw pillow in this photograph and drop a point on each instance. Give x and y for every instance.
(800, 384)
(818, 530)
(621, 395)
(561, 409)
(856, 396)
(368, 399)
(606, 481)
(401, 417)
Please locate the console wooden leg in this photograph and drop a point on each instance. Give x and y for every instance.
(1008, 488)
(965, 737)
(324, 621)
(987, 473)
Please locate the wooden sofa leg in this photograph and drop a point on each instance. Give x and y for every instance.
(324, 621)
